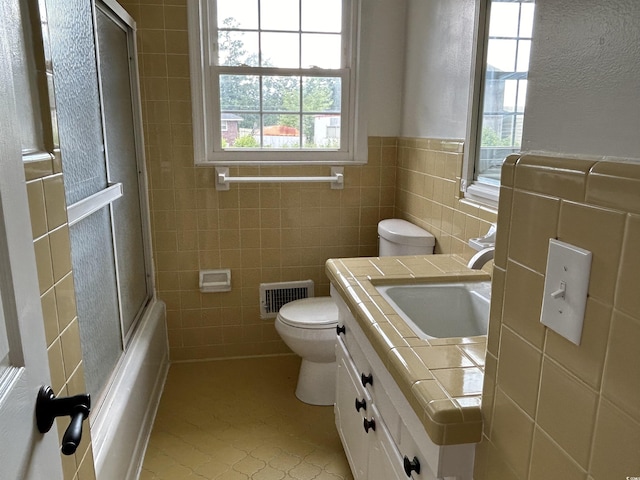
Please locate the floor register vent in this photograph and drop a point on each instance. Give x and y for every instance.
(274, 295)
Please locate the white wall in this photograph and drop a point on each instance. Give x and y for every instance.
(584, 87)
(384, 44)
(438, 68)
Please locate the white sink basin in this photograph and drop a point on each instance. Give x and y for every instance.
(442, 310)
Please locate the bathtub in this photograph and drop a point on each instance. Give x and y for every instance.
(120, 429)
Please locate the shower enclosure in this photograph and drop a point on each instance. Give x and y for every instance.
(122, 325)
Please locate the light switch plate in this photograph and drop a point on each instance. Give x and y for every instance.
(565, 289)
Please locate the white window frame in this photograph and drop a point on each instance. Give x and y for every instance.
(474, 190)
(206, 115)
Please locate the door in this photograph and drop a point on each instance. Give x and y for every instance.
(24, 452)
(102, 158)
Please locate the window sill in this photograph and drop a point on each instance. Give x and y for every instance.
(486, 195)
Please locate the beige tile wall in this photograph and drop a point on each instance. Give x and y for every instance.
(428, 194)
(264, 233)
(268, 232)
(553, 409)
(48, 212)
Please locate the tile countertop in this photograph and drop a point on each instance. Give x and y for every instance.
(441, 378)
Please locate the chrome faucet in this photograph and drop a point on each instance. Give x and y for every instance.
(480, 259)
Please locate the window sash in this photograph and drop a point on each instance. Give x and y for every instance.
(485, 190)
(205, 94)
(216, 72)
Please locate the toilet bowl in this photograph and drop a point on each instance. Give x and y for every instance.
(308, 326)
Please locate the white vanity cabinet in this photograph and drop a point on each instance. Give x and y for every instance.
(382, 436)
(366, 438)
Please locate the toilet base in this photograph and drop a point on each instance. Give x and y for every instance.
(317, 383)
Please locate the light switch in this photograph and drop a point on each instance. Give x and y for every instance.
(565, 289)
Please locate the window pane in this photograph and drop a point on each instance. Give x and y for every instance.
(280, 15)
(524, 49)
(280, 111)
(281, 50)
(501, 55)
(239, 92)
(526, 19)
(281, 131)
(321, 50)
(237, 48)
(240, 130)
(243, 12)
(321, 94)
(522, 95)
(322, 16)
(510, 94)
(505, 85)
(504, 19)
(281, 94)
(322, 131)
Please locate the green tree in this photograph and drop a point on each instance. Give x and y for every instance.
(231, 49)
(490, 138)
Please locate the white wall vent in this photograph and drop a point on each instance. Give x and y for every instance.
(275, 295)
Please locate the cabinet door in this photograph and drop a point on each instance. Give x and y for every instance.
(349, 421)
(385, 462)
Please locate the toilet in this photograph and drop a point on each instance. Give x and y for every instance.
(308, 326)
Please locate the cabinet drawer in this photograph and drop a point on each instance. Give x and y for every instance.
(357, 355)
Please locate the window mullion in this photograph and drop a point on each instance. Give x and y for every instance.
(300, 116)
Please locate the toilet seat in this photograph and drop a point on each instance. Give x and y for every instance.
(310, 313)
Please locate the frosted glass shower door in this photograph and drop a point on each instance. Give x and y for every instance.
(100, 135)
(122, 128)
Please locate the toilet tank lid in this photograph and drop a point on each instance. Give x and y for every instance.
(314, 312)
(405, 233)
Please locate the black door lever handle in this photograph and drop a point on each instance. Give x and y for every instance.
(48, 407)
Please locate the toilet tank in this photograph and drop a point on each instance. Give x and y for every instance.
(399, 237)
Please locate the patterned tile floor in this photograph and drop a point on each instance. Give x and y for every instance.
(239, 419)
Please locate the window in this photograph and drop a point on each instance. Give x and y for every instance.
(285, 72)
(499, 103)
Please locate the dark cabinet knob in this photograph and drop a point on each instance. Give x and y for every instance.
(361, 404)
(369, 424)
(411, 465)
(366, 379)
(341, 329)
